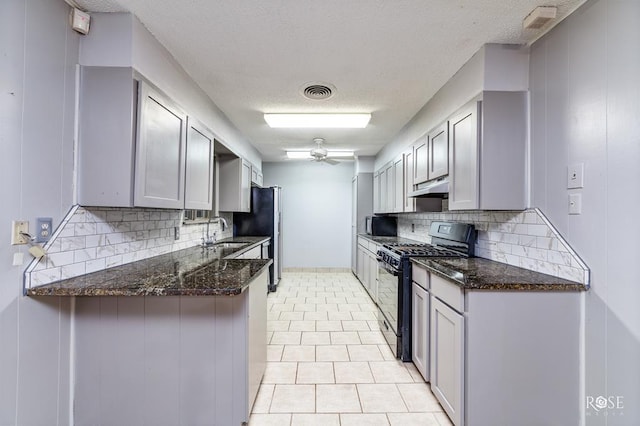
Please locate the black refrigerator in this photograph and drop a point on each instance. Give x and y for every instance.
(264, 220)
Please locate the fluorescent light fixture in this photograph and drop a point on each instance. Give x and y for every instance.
(337, 121)
(298, 154)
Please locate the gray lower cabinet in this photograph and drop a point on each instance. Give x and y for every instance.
(420, 329)
(447, 368)
(487, 153)
(183, 360)
(496, 356)
(198, 193)
(367, 267)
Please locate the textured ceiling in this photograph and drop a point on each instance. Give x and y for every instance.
(385, 57)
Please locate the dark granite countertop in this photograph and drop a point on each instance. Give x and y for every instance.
(194, 271)
(387, 240)
(477, 273)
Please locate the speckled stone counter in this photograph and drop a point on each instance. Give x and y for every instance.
(195, 271)
(483, 274)
(388, 240)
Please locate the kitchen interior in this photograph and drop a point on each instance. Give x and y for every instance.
(459, 255)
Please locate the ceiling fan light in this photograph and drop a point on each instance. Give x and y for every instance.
(335, 121)
(339, 154)
(298, 154)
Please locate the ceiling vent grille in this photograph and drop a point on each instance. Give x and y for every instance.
(318, 91)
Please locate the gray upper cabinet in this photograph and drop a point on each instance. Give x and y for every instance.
(376, 192)
(106, 139)
(235, 184)
(420, 160)
(199, 172)
(438, 158)
(256, 176)
(463, 189)
(398, 185)
(160, 151)
(389, 191)
(409, 203)
(132, 145)
(487, 153)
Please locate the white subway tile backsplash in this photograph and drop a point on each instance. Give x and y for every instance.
(72, 243)
(72, 270)
(84, 254)
(525, 239)
(538, 231)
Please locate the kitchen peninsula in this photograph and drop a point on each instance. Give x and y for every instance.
(182, 341)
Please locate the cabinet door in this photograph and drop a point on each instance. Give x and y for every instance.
(446, 353)
(439, 151)
(198, 192)
(391, 186)
(373, 277)
(398, 188)
(420, 161)
(360, 264)
(383, 190)
(420, 329)
(409, 203)
(463, 157)
(376, 192)
(160, 152)
(245, 187)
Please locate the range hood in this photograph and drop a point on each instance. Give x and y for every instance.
(438, 188)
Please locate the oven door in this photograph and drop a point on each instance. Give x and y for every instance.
(389, 281)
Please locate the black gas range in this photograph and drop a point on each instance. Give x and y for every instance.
(448, 239)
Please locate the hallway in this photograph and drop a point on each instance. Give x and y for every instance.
(328, 364)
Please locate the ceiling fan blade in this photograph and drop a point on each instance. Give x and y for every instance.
(330, 161)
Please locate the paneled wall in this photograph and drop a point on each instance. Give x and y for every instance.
(38, 53)
(585, 104)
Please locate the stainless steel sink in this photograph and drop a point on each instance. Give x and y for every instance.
(227, 245)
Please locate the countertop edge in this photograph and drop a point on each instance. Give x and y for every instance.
(459, 278)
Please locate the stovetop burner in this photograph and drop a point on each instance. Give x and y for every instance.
(425, 250)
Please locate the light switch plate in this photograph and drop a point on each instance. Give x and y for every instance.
(575, 203)
(575, 176)
(18, 226)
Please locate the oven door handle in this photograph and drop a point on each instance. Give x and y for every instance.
(388, 268)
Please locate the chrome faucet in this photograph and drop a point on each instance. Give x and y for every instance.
(223, 223)
(211, 239)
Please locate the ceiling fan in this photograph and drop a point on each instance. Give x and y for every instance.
(320, 154)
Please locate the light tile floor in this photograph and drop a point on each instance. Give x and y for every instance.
(328, 364)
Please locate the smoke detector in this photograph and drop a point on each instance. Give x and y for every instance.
(318, 91)
(539, 17)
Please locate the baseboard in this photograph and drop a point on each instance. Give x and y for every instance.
(317, 270)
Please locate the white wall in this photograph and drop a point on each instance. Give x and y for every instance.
(316, 212)
(38, 53)
(585, 94)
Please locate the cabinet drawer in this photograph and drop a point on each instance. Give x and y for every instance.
(363, 243)
(447, 291)
(420, 276)
(373, 247)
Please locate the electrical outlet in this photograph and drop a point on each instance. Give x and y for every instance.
(413, 227)
(18, 226)
(44, 229)
(176, 233)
